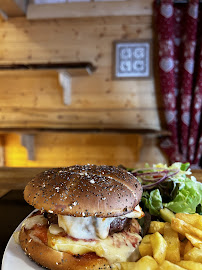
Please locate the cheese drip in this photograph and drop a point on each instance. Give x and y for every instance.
(91, 227)
(119, 247)
(85, 228)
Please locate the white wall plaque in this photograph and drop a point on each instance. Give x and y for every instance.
(132, 59)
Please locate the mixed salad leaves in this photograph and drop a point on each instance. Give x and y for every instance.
(171, 187)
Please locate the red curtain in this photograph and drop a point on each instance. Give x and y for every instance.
(179, 32)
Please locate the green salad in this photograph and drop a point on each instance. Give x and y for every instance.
(171, 187)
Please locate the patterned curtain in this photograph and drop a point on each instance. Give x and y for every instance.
(179, 32)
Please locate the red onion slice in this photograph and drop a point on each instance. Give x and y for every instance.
(156, 176)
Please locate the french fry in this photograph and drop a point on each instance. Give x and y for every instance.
(159, 247)
(166, 265)
(194, 240)
(188, 247)
(194, 254)
(193, 219)
(190, 265)
(182, 247)
(146, 239)
(183, 227)
(168, 242)
(166, 214)
(145, 263)
(145, 249)
(156, 226)
(173, 244)
(127, 265)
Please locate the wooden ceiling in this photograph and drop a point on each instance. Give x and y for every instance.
(71, 9)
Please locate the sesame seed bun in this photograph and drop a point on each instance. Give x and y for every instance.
(88, 190)
(56, 260)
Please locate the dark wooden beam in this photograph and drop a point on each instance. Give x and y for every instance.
(34, 131)
(72, 68)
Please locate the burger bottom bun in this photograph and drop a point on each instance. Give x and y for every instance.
(56, 260)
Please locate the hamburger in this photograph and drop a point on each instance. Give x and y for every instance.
(85, 217)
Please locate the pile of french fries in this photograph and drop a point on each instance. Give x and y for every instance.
(168, 246)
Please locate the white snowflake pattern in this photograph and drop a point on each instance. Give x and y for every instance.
(193, 11)
(166, 10)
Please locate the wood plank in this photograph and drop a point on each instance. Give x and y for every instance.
(32, 89)
(17, 178)
(68, 149)
(44, 41)
(197, 174)
(34, 100)
(13, 8)
(89, 9)
(94, 118)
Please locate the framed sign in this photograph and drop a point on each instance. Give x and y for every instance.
(132, 59)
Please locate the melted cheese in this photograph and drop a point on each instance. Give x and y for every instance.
(137, 213)
(93, 232)
(55, 229)
(31, 221)
(91, 227)
(103, 226)
(85, 227)
(119, 247)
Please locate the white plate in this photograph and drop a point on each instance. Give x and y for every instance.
(15, 258)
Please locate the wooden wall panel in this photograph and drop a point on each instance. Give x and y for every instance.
(34, 99)
(54, 150)
(68, 40)
(90, 9)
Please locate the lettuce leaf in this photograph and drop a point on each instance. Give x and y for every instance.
(187, 198)
(178, 193)
(153, 201)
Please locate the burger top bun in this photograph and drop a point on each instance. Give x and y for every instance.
(81, 191)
